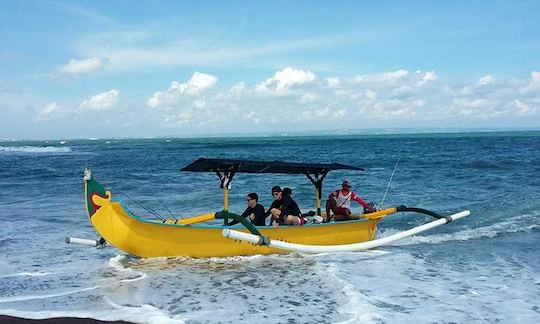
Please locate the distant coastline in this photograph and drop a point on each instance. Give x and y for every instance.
(316, 133)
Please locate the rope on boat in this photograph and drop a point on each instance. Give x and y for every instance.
(389, 182)
(264, 240)
(148, 209)
(161, 202)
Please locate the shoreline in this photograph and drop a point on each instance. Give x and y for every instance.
(56, 320)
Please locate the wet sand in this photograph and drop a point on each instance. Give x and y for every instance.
(55, 320)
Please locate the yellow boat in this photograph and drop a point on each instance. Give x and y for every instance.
(187, 237)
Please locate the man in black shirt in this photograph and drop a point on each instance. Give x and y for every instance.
(290, 213)
(254, 211)
(275, 208)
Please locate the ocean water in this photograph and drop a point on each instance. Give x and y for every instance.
(484, 268)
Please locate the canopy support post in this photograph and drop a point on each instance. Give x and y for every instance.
(317, 181)
(225, 184)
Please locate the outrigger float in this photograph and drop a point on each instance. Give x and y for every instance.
(188, 237)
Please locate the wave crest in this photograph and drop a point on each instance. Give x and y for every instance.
(35, 149)
(514, 225)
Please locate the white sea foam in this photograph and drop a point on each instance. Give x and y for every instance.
(28, 274)
(31, 297)
(116, 264)
(136, 314)
(357, 309)
(34, 149)
(512, 225)
(142, 276)
(390, 289)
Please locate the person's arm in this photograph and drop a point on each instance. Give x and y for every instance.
(244, 214)
(273, 205)
(332, 195)
(285, 208)
(361, 202)
(259, 216)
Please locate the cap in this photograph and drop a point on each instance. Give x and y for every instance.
(346, 183)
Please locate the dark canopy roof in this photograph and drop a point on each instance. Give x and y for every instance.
(244, 166)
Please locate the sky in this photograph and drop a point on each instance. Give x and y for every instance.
(79, 69)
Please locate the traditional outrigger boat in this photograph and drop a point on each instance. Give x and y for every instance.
(188, 237)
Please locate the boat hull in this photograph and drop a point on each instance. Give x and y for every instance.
(148, 239)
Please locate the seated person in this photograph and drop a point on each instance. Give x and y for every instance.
(254, 211)
(290, 212)
(339, 202)
(275, 207)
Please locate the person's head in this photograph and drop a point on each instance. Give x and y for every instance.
(252, 199)
(287, 192)
(346, 185)
(276, 192)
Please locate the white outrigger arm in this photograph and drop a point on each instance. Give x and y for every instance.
(264, 240)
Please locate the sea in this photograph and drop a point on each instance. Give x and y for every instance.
(480, 269)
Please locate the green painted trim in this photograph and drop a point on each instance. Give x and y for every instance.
(93, 187)
(225, 215)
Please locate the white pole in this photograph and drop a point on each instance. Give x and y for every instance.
(80, 241)
(236, 235)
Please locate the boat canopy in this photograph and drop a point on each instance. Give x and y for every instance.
(227, 168)
(246, 166)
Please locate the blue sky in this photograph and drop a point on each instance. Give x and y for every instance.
(71, 69)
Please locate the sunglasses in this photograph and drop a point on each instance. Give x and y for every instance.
(275, 194)
(249, 199)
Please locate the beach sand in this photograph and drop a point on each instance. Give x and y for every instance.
(55, 320)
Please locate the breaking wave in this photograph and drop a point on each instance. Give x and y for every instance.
(137, 314)
(11, 299)
(514, 225)
(34, 149)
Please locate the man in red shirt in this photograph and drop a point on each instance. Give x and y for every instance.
(339, 202)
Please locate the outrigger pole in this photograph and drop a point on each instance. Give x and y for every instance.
(304, 248)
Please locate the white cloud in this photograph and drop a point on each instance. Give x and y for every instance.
(83, 66)
(389, 77)
(426, 77)
(384, 99)
(369, 94)
(101, 102)
(468, 103)
(201, 81)
(485, 80)
(333, 82)
(199, 104)
(534, 83)
(308, 97)
(179, 118)
(522, 108)
(47, 111)
(325, 114)
(198, 83)
(155, 45)
(286, 78)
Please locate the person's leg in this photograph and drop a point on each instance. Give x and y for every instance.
(342, 214)
(292, 220)
(330, 206)
(275, 216)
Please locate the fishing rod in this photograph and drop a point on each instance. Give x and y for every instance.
(148, 209)
(389, 182)
(161, 202)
